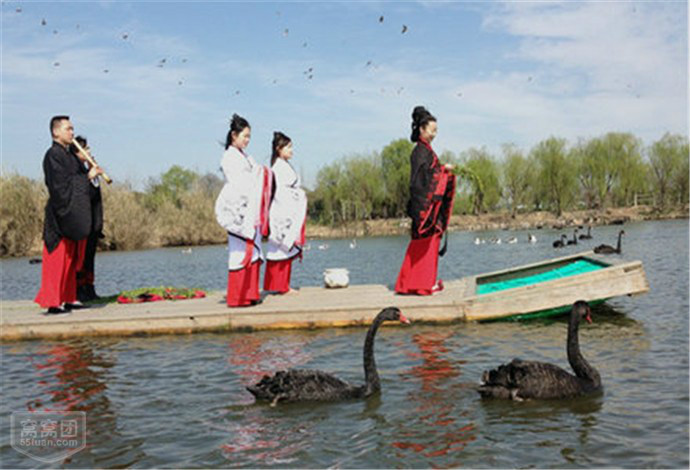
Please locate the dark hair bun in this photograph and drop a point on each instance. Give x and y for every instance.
(237, 125)
(418, 113)
(420, 118)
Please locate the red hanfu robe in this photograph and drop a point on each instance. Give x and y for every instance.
(287, 218)
(432, 190)
(242, 210)
(67, 222)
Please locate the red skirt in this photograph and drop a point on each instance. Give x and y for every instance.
(243, 286)
(59, 275)
(420, 266)
(277, 276)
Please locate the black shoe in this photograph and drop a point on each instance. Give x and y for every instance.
(75, 306)
(83, 294)
(57, 311)
(92, 292)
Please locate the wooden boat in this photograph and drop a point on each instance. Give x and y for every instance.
(536, 290)
(550, 287)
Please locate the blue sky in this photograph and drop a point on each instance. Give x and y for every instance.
(332, 76)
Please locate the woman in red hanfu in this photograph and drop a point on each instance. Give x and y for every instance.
(287, 218)
(242, 210)
(432, 189)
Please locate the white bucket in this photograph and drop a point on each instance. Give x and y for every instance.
(336, 277)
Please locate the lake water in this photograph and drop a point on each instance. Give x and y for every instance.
(179, 401)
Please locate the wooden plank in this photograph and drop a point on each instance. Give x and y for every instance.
(316, 307)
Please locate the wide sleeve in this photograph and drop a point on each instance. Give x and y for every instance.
(69, 194)
(289, 208)
(238, 206)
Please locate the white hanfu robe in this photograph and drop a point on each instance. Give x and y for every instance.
(287, 214)
(239, 206)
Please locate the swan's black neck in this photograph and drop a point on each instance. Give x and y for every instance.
(618, 247)
(580, 366)
(371, 375)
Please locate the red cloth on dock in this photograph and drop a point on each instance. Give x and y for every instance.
(59, 275)
(243, 286)
(420, 266)
(277, 276)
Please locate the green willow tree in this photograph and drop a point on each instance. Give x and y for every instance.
(395, 166)
(556, 182)
(484, 166)
(667, 159)
(517, 178)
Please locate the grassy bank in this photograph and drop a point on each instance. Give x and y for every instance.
(504, 221)
(178, 210)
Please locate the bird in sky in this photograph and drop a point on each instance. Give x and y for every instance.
(404, 29)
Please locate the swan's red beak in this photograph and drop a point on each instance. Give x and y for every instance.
(403, 319)
(588, 317)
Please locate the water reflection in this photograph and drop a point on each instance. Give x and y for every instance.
(259, 435)
(435, 427)
(74, 377)
(252, 355)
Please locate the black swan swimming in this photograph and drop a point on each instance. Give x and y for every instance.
(574, 240)
(561, 242)
(608, 249)
(314, 385)
(587, 236)
(520, 380)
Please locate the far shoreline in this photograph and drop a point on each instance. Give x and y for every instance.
(466, 223)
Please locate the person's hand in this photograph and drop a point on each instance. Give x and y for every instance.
(94, 172)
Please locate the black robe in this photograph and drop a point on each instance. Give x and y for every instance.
(68, 211)
(432, 189)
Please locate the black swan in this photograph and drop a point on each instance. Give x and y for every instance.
(587, 236)
(608, 249)
(520, 380)
(314, 385)
(574, 240)
(560, 243)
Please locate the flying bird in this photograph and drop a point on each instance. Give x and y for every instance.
(381, 19)
(125, 36)
(286, 32)
(56, 64)
(18, 10)
(404, 29)
(43, 22)
(106, 70)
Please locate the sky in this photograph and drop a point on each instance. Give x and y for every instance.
(154, 84)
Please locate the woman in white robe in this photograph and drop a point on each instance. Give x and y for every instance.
(242, 210)
(287, 217)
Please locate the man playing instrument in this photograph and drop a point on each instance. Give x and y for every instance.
(67, 219)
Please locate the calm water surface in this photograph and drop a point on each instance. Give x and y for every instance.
(179, 401)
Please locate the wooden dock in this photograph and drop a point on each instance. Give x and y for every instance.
(318, 307)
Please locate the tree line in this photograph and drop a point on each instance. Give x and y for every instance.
(177, 208)
(613, 170)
